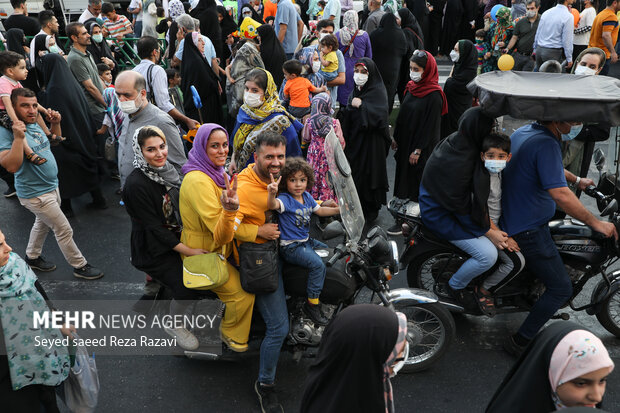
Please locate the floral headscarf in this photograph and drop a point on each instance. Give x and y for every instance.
(166, 175)
(306, 56)
(350, 29)
(503, 24)
(175, 8)
(320, 114)
(114, 111)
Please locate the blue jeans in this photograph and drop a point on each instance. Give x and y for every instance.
(543, 259)
(273, 309)
(302, 254)
(483, 256)
(137, 29)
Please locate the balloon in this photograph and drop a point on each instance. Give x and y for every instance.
(505, 62)
(494, 11)
(575, 16)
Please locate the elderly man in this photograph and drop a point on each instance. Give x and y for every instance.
(130, 88)
(37, 185)
(93, 10)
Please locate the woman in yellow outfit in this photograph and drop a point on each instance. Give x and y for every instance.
(208, 225)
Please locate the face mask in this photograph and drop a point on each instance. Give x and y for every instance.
(454, 56)
(530, 14)
(54, 49)
(396, 368)
(253, 100)
(574, 131)
(129, 106)
(479, 41)
(322, 35)
(415, 76)
(316, 66)
(98, 38)
(584, 70)
(494, 166)
(360, 79)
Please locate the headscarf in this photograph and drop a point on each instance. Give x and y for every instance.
(593, 50)
(251, 117)
(271, 52)
(305, 56)
(198, 160)
(401, 341)
(528, 385)
(350, 29)
(41, 43)
(99, 50)
(465, 69)
(409, 22)
(227, 24)
(580, 352)
(195, 37)
(166, 175)
(15, 40)
(29, 363)
(175, 9)
(254, 16)
(392, 6)
(114, 111)
(503, 24)
(320, 114)
(462, 189)
(349, 372)
(373, 96)
(429, 83)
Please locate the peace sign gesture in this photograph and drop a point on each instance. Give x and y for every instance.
(229, 199)
(272, 188)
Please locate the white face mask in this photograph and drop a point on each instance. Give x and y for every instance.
(415, 76)
(530, 14)
(454, 56)
(322, 35)
(584, 70)
(495, 166)
(129, 106)
(360, 79)
(316, 66)
(253, 100)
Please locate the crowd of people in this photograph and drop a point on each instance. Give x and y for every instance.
(216, 135)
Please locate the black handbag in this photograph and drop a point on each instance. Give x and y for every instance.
(258, 267)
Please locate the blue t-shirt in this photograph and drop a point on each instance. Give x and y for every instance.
(287, 14)
(536, 166)
(294, 217)
(33, 180)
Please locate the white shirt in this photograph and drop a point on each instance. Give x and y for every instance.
(86, 15)
(586, 18)
(159, 81)
(134, 5)
(555, 30)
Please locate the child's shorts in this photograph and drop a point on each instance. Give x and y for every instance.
(298, 112)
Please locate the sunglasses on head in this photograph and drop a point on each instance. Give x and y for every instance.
(420, 53)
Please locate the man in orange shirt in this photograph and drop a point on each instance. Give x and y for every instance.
(605, 33)
(269, 8)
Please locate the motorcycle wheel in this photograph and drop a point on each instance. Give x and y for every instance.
(609, 314)
(430, 330)
(420, 270)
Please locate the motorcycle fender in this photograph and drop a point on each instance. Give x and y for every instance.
(600, 293)
(415, 294)
(420, 246)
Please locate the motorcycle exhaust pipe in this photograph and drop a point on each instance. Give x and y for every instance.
(452, 307)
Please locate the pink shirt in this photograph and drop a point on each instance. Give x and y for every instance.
(6, 87)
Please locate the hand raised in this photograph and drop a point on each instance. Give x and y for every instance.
(272, 188)
(229, 199)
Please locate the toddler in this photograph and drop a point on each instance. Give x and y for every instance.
(174, 91)
(295, 206)
(297, 89)
(329, 58)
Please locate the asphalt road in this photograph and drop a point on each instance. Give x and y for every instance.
(463, 381)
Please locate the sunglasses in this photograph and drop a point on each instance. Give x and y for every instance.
(420, 53)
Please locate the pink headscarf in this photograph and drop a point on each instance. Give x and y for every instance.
(579, 352)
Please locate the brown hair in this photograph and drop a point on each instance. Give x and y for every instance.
(330, 40)
(291, 167)
(147, 132)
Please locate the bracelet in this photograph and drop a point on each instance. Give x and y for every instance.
(577, 181)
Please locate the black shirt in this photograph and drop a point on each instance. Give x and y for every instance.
(29, 25)
(526, 32)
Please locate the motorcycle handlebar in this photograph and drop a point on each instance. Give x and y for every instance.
(595, 193)
(339, 252)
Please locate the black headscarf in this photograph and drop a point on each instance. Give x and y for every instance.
(39, 45)
(227, 25)
(374, 109)
(454, 175)
(272, 52)
(411, 28)
(347, 375)
(458, 97)
(15, 41)
(526, 387)
(389, 47)
(78, 169)
(196, 71)
(254, 15)
(206, 13)
(99, 50)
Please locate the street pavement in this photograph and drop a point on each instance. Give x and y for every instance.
(463, 381)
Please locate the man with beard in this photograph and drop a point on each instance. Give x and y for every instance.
(49, 26)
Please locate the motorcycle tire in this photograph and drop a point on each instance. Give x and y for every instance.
(419, 271)
(430, 331)
(609, 314)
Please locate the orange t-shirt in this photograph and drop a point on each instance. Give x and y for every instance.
(269, 9)
(605, 21)
(298, 90)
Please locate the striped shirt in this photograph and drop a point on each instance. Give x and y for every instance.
(119, 26)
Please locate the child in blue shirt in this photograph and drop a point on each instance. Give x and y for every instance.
(295, 206)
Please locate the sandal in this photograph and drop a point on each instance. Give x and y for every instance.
(486, 304)
(35, 159)
(55, 140)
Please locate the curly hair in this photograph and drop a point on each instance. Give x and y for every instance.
(291, 167)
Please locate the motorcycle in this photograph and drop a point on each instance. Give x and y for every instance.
(359, 262)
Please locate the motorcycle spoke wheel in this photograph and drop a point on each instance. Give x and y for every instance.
(609, 315)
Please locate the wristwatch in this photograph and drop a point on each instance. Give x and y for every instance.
(577, 181)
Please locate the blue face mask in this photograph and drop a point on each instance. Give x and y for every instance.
(495, 166)
(574, 131)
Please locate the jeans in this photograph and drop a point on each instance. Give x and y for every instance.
(137, 29)
(543, 259)
(273, 309)
(302, 254)
(483, 256)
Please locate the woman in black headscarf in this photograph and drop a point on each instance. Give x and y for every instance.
(365, 128)
(196, 71)
(356, 359)
(98, 46)
(15, 42)
(206, 12)
(415, 41)
(272, 52)
(455, 88)
(389, 48)
(451, 27)
(227, 26)
(79, 171)
(248, 11)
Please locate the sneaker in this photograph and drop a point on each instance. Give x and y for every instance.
(267, 398)
(511, 347)
(185, 339)
(88, 272)
(396, 229)
(40, 264)
(315, 313)
(10, 192)
(232, 344)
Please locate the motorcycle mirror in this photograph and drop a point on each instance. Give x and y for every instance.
(610, 208)
(332, 230)
(599, 159)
